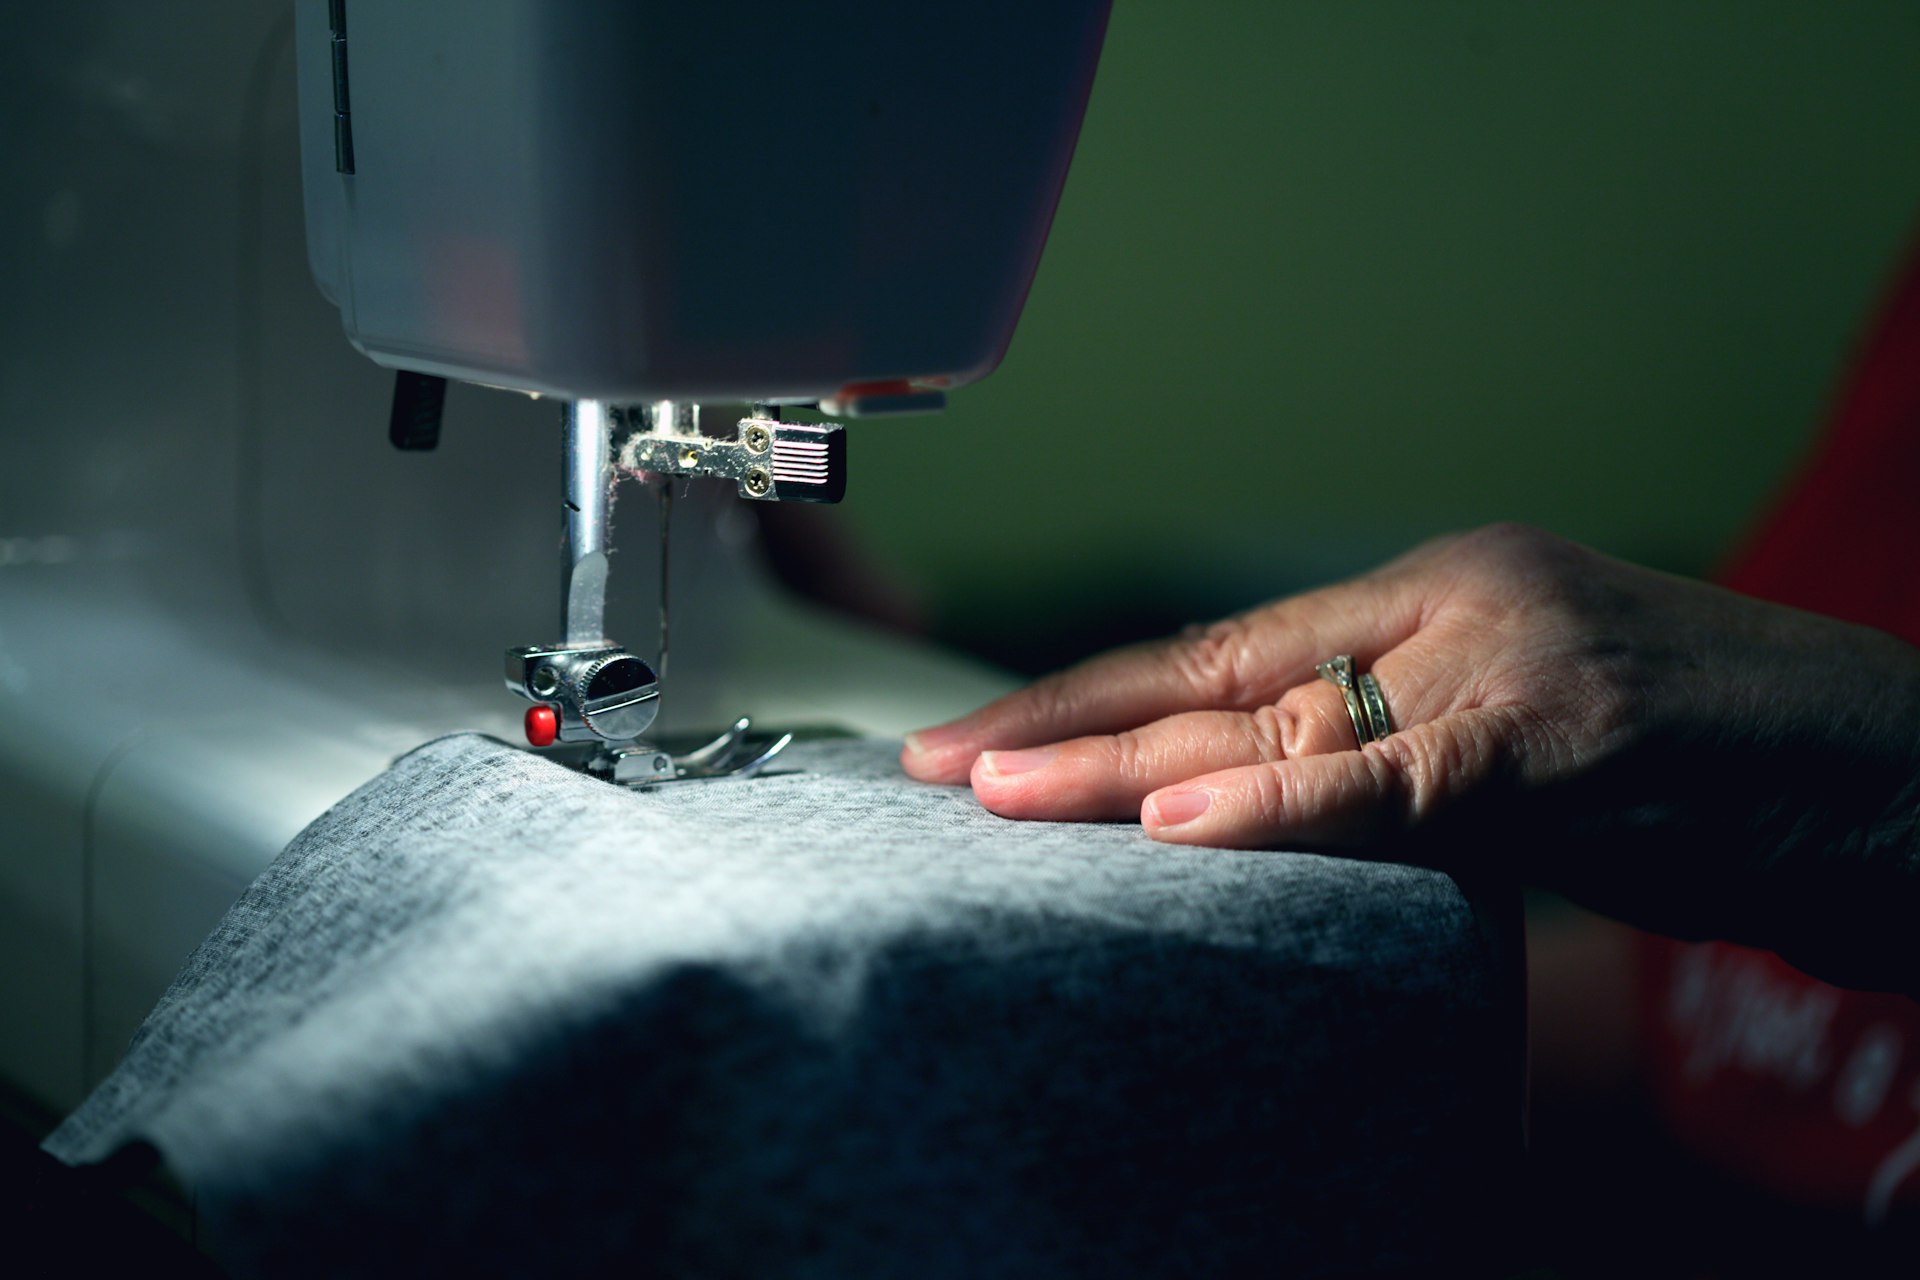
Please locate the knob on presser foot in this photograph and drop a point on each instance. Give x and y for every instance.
(592, 703)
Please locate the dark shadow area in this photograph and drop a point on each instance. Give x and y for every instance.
(57, 1220)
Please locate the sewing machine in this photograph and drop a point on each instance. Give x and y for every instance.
(226, 598)
(554, 199)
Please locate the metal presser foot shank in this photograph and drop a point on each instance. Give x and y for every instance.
(593, 700)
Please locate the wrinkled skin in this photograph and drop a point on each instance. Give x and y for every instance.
(1684, 758)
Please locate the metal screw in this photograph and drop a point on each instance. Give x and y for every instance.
(758, 438)
(543, 682)
(661, 764)
(758, 482)
(689, 457)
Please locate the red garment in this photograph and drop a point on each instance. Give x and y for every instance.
(1811, 1092)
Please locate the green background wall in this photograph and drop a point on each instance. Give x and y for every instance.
(1595, 266)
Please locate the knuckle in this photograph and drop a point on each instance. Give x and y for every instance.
(1050, 699)
(1130, 755)
(1527, 553)
(1510, 536)
(1271, 797)
(1528, 577)
(1274, 731)
(1402, 775)
(1300, 725)
(1213, 661)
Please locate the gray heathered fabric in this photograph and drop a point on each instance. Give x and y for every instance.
(487, 1015)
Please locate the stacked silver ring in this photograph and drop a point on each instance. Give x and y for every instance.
(1366, 707)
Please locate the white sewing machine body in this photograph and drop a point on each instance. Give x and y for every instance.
(709, 202)
(226, 600)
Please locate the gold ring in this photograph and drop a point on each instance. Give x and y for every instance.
(1366, 706)
(1376, 707)
(1338, 672)
(1338, 669)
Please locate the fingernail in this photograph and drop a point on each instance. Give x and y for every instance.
(1175, 808)
(933, 739)
(1004, 764)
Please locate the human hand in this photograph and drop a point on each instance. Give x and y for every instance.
(1682, 757)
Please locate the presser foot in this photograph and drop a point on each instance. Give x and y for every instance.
(737, 753)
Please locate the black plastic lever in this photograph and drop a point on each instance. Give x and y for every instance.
(417, 401)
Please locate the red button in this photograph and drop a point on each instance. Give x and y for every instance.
(542, 725)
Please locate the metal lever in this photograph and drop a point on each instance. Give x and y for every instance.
(768, 459)
(413, 423)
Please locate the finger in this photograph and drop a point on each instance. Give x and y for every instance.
(1238, 664)
(1105, 778)
(1348, 798)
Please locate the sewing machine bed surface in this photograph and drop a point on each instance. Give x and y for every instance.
(826, 1022)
